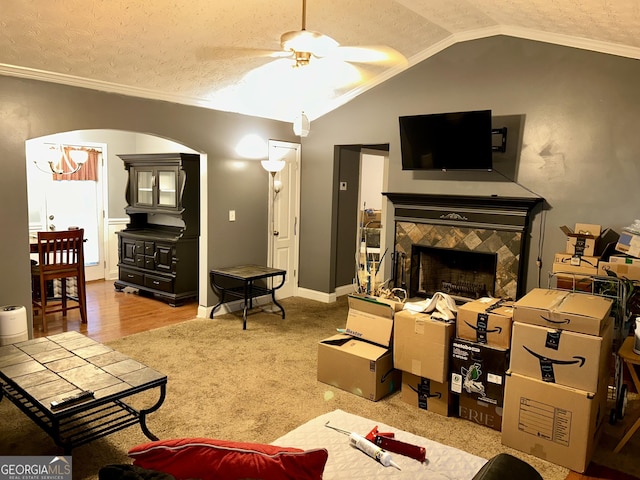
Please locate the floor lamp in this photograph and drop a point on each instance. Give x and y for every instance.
(273, 167)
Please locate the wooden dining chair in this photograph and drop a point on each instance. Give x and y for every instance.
(60, 257)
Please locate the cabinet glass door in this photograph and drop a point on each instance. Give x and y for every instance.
(167, 189)
(144, 191)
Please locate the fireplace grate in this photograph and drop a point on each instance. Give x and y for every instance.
(464, 289)
(459, 273)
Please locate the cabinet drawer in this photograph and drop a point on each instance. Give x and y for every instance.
(131, 276)
(158, 283)
(149, 248)
(149, 263)
(141, 261)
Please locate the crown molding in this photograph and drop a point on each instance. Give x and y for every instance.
(452, 39)
(82, 82)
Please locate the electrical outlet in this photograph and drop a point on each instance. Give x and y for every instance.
(343, 185)
(232, 215)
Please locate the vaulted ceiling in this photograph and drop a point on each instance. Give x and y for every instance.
(219, 53)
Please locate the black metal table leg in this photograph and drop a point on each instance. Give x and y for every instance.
(246, 305)
(145, 412)
(273, 295)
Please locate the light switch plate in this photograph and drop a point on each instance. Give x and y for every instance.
(232, 215)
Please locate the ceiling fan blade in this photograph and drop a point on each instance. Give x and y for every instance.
(232, 53)
(381, 55)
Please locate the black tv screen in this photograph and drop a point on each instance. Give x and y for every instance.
(447, 141)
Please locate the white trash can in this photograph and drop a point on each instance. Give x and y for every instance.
(13, 324)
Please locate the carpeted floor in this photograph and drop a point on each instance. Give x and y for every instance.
(255, 385)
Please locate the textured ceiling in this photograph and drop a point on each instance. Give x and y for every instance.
(201, 52)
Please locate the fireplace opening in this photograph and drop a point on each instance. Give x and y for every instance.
(462, 274)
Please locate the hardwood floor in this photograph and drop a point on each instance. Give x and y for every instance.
(112, 315)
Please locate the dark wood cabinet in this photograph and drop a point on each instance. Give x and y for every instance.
(158, 250)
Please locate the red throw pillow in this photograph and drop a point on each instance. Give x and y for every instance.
(206, 458)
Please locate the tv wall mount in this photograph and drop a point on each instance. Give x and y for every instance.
(502, 147)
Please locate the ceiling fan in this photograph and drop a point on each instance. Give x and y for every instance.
(304, 45)
(309, 65)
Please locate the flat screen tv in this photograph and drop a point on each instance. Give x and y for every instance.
(447, 141)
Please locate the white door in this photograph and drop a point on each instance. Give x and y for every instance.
(73, 204)
(60, 204)
(284, 214)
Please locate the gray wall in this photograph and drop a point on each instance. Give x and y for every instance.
(32, 109)
(580, 146)
(347, 167)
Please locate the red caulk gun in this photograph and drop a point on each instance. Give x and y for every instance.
(387, 441)
(368, 447)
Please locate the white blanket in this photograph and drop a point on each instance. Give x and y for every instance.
(441, 306)
(346, 462)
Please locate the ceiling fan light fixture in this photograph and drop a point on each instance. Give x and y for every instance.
(301, 125)
(315, 43)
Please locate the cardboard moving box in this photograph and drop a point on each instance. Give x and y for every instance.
(624, 259)
(559, 424)
(564, 357)
(421, 345)
(482, 413)
(577, 312)
(356, 366)
(478, 371)
(629, 243)
(621, 270)
(486, 320)
(427, 394)
(583, 265)
(588, 239)
(361, 361)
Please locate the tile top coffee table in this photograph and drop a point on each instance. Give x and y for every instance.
(39, 374)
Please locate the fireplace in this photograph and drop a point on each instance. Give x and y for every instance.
(466, 246)
(458, 273)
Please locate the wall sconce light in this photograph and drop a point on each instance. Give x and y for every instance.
(61, 159)
(252, 146)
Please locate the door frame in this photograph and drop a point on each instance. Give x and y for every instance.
(98, 271)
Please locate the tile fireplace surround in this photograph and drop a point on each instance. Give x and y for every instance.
(497, 225)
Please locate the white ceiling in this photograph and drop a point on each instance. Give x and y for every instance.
(198, 52)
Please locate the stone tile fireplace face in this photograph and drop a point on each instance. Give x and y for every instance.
(504, 246)
(461, 225)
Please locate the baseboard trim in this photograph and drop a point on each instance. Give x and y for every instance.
(315, 295)
(345, 290)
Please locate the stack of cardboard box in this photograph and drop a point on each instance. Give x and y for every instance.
(421, 350)
(585, 244)
(480, 359)
(556, 388)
